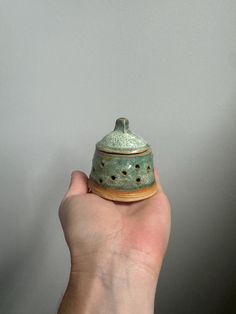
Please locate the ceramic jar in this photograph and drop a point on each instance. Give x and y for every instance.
(122, 167)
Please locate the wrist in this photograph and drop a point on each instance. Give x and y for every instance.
(98, 294)
(112, 285)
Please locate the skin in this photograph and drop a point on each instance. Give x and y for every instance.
(116, 249)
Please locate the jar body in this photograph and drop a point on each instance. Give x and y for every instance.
(123, 177)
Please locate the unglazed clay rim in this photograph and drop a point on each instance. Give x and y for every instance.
(121, 195)
(120, 154)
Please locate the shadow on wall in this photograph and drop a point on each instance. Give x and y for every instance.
(199, 271)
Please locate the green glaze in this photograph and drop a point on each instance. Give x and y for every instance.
(121, 140)
(123, 161)
(124, 172)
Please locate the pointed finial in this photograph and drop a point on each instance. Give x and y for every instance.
(122, 124)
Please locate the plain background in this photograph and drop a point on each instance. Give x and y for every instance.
(68, 69)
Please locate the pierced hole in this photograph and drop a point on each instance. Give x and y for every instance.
(137, 166)
(124, 172)
(113, 177)
(138, 180)
(148, 168)
(100, 180)
(102, 164)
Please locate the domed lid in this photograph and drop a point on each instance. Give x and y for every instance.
(122, 141)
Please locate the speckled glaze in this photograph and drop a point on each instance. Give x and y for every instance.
(122, 167)
(122, 140)
(123, 172)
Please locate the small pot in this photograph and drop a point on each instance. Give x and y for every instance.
(122, 168)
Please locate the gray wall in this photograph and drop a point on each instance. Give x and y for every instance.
(68, 69)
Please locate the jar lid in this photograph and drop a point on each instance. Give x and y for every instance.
(122, 141)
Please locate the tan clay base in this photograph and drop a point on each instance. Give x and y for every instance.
(122, 196)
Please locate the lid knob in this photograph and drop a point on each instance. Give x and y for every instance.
(122, 124)
(122, 140)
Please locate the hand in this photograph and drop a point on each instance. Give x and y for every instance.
(123, 244)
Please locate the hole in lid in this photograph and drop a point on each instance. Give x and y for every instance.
(148, 167)
(138, 180)
(124, 172)
(113, 177)
(102, 163)
(100, 180)
(137, 166)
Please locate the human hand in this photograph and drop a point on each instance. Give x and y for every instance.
(118, 244)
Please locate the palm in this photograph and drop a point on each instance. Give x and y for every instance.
(93, 225)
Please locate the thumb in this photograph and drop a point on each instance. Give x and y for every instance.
(78, 184)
